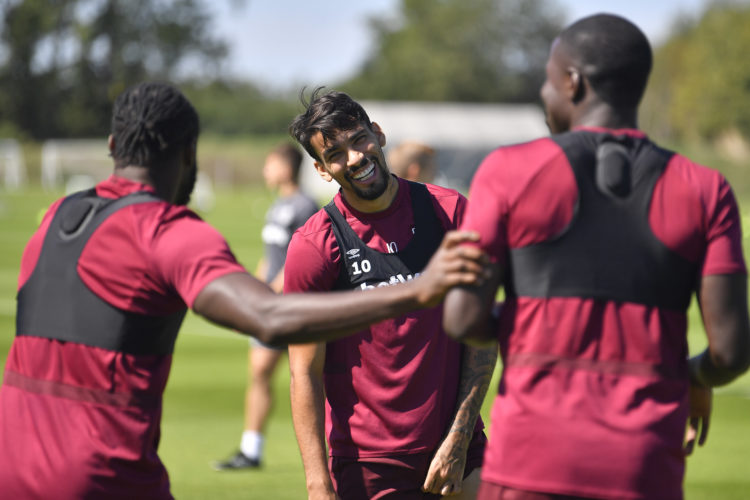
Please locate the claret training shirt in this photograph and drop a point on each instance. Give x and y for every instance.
(390, 389)
(83, 422)
(593, 396)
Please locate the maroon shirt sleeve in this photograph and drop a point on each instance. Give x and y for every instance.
(724, 253)
(520, 195)
(154, 259)
(706, 228)
(189, 254)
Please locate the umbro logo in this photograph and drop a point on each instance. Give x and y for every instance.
(353, 253)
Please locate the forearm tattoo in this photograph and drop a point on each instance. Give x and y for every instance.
(477, 366)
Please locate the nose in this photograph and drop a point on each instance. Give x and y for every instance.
(355, 157)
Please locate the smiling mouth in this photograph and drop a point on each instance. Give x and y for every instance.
(365, 172)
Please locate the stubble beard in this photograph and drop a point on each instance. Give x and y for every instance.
(376, 189)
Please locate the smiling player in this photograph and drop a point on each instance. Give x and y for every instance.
(401, 399)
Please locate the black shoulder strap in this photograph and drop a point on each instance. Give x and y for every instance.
(608, 251)
(54, 302)
(362, 265)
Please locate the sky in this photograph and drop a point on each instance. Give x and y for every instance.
(282, 43)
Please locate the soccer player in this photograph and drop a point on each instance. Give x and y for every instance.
(290, 210)
(412, 161)
(104, 285)
(601, 238)
(399, 401)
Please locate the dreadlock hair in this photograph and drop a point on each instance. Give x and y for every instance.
(327, 113)
(291, 155)
(613, 54)
(151, 122)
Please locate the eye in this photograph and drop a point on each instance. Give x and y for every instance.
(333, 156)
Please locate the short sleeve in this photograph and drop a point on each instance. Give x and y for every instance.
(307, 268)
(189, 253)
(724, 253)
(486, 211)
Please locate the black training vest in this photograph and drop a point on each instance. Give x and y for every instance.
(608, 251)
(54, 303)
(366, 267)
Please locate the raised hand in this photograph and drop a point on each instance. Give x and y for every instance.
(453, 264)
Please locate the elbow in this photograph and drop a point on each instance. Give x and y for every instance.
(455, 323)
(272, 326)
(455, 328)
(732, 358)
(269, 332)
(733, 362)
(272, 336)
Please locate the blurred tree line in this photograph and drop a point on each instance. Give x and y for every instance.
(700, 86)
(62, 62)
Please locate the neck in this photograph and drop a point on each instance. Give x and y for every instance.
(135, 173)
(287, 189)
(379, 204)
(603, 115)
(142, 175)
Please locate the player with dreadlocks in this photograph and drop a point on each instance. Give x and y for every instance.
(104, 285)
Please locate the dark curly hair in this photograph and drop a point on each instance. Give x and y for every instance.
(327, 113)
(150, 122)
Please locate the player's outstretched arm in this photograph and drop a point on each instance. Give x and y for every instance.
(243, 303)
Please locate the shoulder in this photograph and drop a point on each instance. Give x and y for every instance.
(313, 239)
(688, 171)
(317, 224)
(312, 256)
(440, 192)
(521, 156)
(688, 181)
(449, 202)
(510, 170)
(444, 195)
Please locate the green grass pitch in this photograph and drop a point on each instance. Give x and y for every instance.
(204, 398)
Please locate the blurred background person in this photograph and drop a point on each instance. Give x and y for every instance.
(290, 210)
(412, 161)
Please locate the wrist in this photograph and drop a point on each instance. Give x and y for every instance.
(459, 439)
(695, 365)
(320, 484)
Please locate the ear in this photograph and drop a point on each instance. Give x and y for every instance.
(322, 172)
(379, 133)
(576, 85)
(111, 144)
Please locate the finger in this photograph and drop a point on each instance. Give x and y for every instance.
(468, 266)
(704, 430)
(454, 238)
(469, 253)
(451, 488)
(458, 278)
(447, 489)
(690, 434)
(429, 482)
